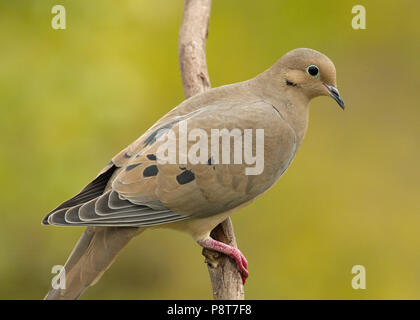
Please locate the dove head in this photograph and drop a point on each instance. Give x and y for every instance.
(307, 72)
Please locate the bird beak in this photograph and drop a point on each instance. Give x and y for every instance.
(335, 95)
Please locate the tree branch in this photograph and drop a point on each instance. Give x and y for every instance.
(224, 275)
(192, 46)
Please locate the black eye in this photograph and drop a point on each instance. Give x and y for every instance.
(313, 70)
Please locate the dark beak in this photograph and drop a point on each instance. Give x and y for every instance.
(335, 95)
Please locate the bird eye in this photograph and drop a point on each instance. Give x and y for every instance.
(313, 70)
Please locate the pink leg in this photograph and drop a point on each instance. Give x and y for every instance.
(230, 251)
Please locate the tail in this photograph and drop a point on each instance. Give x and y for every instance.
(95, 251)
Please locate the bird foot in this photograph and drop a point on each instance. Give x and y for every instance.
(230, 251)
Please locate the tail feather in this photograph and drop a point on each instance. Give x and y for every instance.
(95, 251)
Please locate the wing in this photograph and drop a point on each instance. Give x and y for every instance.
(93, 190)
(146, 191)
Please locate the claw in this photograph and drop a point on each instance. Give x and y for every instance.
(230, 251)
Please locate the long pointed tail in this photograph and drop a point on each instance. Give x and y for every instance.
(95, 251)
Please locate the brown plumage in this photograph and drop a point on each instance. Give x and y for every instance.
(136, 191)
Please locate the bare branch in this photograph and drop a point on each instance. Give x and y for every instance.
(192, 46)
(224, 275)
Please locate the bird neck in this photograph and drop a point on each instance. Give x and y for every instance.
(292, 106)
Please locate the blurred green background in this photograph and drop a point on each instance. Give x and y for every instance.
(71, 99)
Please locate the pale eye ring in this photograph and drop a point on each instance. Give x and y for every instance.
(313, 71)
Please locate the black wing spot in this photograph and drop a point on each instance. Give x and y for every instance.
(151, 157)
(127, 155)
(132, 166)
(185, 177)
(290, 83)
(150, 171)
(210, 161)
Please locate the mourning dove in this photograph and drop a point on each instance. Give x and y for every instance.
(137, 190)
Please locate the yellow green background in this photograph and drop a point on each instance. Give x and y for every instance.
(71, 99)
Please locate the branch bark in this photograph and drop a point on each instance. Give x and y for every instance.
(224, 275)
